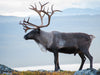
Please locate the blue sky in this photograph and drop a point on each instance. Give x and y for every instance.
(15, 51)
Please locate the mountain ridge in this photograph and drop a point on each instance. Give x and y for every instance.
(75, 11)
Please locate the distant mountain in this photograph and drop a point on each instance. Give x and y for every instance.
(67, 12)
(80, 11)
(4, 68)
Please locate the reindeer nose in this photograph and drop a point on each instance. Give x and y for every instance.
(25, 37)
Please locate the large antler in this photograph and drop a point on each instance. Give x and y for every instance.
(42, 12)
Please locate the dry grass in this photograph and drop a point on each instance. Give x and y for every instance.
(43, 73)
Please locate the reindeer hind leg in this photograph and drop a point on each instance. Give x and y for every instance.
(83, 58)
(88, 55)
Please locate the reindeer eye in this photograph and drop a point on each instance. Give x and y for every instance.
(37, 31)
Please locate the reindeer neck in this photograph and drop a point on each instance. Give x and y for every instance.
(45, 38)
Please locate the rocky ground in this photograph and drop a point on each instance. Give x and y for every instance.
(5, 69)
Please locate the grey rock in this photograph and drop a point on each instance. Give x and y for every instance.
(87, 72)
(4, 68)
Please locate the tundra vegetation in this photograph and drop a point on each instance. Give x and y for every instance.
(46, 73)
(43, 73)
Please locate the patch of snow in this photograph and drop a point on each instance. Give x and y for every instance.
(68, 67)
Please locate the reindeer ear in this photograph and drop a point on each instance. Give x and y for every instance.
(39, 30)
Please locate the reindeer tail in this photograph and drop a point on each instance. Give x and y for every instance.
(92, 37)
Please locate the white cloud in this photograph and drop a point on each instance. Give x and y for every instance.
(20, 7)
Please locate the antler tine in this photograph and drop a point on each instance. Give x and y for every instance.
(28, 19)
(26, 28)
(45, 3)
(25, 24)
(42, 5)
(53, 11)
(28, 23)
(41, 10)
(32, 7)
(35, 6)
(48, 10)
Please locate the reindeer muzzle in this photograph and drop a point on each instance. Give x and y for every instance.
(25, 37)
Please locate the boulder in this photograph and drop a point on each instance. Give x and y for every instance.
(4, 69)
(87, 72)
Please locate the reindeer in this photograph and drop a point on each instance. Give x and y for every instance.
(58, 42)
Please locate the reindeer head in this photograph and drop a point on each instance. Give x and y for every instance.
(36, 28)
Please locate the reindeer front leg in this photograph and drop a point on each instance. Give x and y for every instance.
(56, 61)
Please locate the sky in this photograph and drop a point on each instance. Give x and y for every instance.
(20, 8)
(17, 52)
